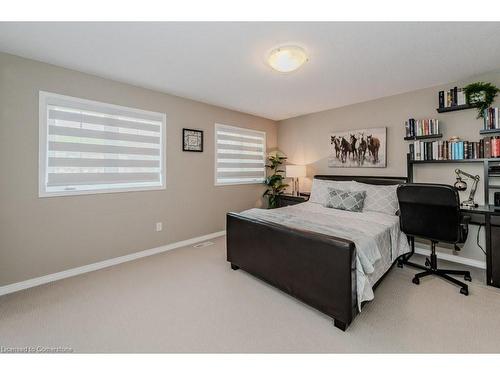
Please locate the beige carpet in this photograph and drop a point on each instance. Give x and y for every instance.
(189, 300)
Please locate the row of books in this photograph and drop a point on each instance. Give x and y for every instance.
(452, 97)
(455, 150)
(490, 116)
(416, 128)
(445, 150)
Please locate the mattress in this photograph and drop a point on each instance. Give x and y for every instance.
(377, 236)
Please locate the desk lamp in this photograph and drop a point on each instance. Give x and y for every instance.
(461, 185)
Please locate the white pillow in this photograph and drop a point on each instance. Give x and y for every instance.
(320, 193)
(379, 198)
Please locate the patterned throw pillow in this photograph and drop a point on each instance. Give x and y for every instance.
(346, 200)
(380, 198)
(319, 189)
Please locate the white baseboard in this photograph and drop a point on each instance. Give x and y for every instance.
(453, 258)
(11, 288)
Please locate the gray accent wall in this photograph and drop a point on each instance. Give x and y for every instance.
(305, 140)
(39, 236)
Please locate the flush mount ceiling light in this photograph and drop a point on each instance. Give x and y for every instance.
(287, 58)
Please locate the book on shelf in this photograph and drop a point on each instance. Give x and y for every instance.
(495, 147)
(490, 117)
(488, 147)
(451, 98)
(418, 128)
(441, 99)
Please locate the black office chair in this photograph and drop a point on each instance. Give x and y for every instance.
(432, 211)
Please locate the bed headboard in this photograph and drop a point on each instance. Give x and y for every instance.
(374, 180)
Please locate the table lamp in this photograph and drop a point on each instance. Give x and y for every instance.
(294, 172)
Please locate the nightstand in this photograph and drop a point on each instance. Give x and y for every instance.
(290, 200)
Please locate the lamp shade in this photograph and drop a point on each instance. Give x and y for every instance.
(295, 170)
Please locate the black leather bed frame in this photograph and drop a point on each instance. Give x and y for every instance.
(317, 269)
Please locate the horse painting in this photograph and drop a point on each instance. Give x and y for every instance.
(358, 148)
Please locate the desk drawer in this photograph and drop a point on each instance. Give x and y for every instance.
(476, 219)
(495, 220)
(495, 252)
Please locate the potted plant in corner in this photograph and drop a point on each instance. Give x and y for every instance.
(480, 94)
(274, 181)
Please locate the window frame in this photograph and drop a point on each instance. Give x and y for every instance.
(215, 156)
(44, 99)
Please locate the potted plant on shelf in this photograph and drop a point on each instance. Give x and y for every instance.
(274, 181)
(481, 94)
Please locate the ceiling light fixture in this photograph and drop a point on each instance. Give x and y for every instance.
(286, 59)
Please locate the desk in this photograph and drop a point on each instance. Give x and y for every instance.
(489, 216)
(485, 215)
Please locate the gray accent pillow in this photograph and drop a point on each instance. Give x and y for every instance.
(346, 200)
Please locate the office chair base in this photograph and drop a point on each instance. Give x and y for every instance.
(430, 268)
(445, 274)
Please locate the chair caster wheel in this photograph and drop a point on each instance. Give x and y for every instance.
(416, 281)
(464, 291)
(467, 278)
(400, 265)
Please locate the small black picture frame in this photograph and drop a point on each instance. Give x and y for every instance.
(192, 140)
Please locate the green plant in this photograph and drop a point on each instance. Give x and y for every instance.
(482, 94)
(274, 181)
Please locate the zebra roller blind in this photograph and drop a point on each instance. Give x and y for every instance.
(90, 147)
(240, 155)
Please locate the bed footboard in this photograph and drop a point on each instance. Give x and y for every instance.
(318, 269)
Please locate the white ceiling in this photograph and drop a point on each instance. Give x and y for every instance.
(224, 63)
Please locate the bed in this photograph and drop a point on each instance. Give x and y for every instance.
(328, 258)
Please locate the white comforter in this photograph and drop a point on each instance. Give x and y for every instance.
(377, 236)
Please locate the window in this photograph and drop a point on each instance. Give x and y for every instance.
(87, 147)
(240, 155)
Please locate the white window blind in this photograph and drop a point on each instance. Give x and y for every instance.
(240, 155)
(91, 147)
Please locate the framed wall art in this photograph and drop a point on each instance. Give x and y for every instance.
(361, 148)
(192, 140)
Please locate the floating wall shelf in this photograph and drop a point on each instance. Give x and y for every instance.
(456, 108)
(423, 137)
(489, 131)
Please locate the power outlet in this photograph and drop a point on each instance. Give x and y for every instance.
(159, 226)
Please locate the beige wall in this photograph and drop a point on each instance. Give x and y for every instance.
(39, 236)
(305, 139)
